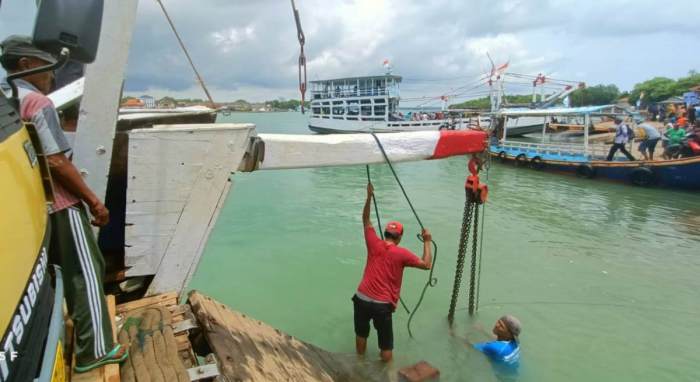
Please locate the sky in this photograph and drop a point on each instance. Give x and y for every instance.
(248, 49)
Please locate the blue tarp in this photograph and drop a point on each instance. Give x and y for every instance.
(691, 98)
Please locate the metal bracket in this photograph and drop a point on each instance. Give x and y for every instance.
(203, 372)
(183, 326)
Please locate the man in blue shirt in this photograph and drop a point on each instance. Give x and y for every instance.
(505, 350)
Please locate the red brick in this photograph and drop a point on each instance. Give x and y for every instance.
(419, 372)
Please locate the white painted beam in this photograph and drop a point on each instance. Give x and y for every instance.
(286, 151)
(103, 83)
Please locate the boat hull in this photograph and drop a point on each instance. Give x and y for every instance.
(676, 173)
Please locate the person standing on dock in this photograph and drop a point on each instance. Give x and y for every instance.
(380, 288)
(622, 136)
(651, 138)
(73, 244)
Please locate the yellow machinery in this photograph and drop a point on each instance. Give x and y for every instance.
(31, 298)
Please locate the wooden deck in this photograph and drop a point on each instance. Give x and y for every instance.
(156, 353)
(235, 347)
(250, 350)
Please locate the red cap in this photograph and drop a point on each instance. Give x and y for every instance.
(394, 227)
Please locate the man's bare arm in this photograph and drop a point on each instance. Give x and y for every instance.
(64, 172)
(365, 211)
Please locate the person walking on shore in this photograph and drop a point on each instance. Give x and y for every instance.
(622, 136)
(380, 288)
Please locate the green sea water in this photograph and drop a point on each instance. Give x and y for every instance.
(604, 277)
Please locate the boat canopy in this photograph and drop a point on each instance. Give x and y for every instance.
(553, 111)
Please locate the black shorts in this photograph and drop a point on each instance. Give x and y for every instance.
(380, 314)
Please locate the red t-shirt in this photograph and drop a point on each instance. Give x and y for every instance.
(381, 280)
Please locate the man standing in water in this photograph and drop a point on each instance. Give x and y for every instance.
(379, 290)
(505, 350)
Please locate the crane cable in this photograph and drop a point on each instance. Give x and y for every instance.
(184, 49)
(432, 281)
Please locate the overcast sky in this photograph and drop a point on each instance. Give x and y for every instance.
(248, 48)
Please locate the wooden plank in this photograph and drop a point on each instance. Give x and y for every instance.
(192, 162)
(111, 372)
(161, 299)
(249, 350)
(103, 84)
(107, 373)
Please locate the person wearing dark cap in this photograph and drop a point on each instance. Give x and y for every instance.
(622, 136)
(73, 244)
(505, 350)
(380, 288)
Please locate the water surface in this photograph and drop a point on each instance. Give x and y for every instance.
(604, 277)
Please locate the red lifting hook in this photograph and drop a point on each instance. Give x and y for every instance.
(478, 192)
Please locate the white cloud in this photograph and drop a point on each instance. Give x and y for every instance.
(230, 38)
(252, 45)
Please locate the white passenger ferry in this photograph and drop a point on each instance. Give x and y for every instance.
(363, 104)
(371, 103)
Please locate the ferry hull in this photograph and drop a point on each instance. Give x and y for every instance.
(677, 173)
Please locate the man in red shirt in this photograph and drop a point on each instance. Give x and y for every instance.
(379, 290)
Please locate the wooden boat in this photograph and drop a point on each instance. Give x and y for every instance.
(587, 159)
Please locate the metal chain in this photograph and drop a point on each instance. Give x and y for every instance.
(302, 56)
(475, 251)
(461, 253)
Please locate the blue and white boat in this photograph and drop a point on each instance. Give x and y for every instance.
(586, 159)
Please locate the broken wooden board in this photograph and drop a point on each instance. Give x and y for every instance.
(250, 350)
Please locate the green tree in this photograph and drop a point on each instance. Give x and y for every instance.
(655, 90)
(595, 95)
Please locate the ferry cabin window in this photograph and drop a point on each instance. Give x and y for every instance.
(326, 110)
(379, 100)
(316, 110)
(366, 101)
(338, 110)
(379, 110)
(366, 110)
(353, 107)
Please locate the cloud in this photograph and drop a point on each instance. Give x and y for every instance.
(253, 45)
(230, 38)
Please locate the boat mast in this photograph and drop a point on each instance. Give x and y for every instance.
(586, 123)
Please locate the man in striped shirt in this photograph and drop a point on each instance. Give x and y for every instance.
(73, 244)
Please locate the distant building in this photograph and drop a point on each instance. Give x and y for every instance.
(132, 103)
(148, 101)
(166, 103)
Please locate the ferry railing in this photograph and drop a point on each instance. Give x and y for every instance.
(560, 149)
(371, 92)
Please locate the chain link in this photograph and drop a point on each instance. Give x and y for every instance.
(302, 56)
(472, 279)
(461, 253)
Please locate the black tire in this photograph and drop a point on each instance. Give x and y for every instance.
(521, 160)
(585, 171)
(502, 156)
(537, 163)
(643, 177)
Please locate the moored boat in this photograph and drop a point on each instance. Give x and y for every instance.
(587, 160)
